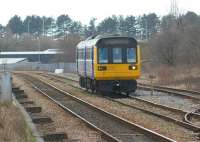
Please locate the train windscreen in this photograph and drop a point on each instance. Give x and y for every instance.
(117, 50)
(103, 55)
(131, 55)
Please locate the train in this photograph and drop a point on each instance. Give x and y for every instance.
(108, 64)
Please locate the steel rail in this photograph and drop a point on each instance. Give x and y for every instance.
(133, 97)
(152, 135)
(155, 87)
(106, 135)
(188, 116)
(185, 123)
(190, 126)
(179, 92)
(171, 91)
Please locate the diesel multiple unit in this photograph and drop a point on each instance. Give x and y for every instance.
(110, 64)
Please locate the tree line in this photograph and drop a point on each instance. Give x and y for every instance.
(141, 27)
(169, 40)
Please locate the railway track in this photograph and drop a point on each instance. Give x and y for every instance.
(112, 126)
(179, 92)
(172, 91)
(175, 115)
(188, 116)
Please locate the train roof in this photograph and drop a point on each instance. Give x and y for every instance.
(95, 40)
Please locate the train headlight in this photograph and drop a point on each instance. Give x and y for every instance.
(132, 67)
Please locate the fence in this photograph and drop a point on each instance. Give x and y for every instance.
(68, 67)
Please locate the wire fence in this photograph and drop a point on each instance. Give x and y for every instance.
(68, 67)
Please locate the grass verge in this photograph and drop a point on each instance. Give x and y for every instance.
(13, 127)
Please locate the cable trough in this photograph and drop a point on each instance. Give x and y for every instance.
(110, 125)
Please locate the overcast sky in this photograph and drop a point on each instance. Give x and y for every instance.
(83, 10)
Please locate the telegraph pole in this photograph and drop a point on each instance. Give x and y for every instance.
(28, 27)
(43, 26)
(39, 46)
(146, 27)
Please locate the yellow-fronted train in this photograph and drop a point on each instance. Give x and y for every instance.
(108, 64)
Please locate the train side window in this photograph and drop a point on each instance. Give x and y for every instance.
(89, 53)
(83, 54)
(79, 54)
(131, 55)
(117, 55)
(103, 55)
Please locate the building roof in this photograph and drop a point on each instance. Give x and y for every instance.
(48, 51)
(11, 60)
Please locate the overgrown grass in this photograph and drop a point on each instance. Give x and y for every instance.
(29, 135)
(13, 127)
(182, 76)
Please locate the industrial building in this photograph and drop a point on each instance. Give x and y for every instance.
(47, 56)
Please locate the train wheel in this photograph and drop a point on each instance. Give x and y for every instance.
(86, 84)
(135, 85)
(96, 83)
(92, 86)
(81, 82)
(127, 94)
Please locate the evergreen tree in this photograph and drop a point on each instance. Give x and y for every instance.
(149, 25)
(64, 24)
(153, 23)
(91, 30)
(109, 25)
(50, 26)
(16, 25)
(130, 26)
(75, 28)
(2, 31)
(127, 26)
(122, 25)
(33, 24)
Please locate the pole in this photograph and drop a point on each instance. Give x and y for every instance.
(38, 66)
(146, 29)
(28, 27)
(39, 49)
(52, 30)
(43, 26)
